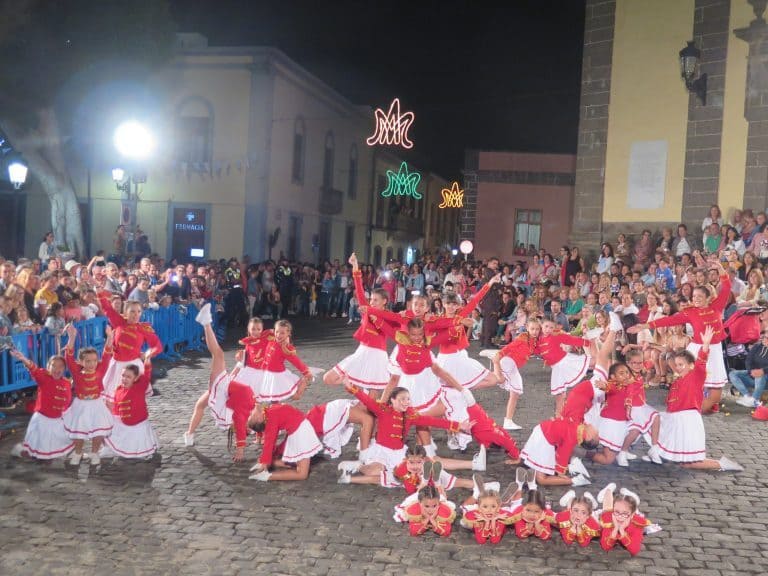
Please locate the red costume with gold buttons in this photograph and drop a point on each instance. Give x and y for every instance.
(277, 418)
(542, 530)
(241, 401)
(520, 349)
(582, 535)
(54, 395)
(458, 332)
(392, 427)
(131, 403)
(687, 392)
(488, 529)
(550, 348)
(441, 525)
(276, 354)
(633, 534)
(564, 435)
(255, 348)
(130, 338)
(88, 385)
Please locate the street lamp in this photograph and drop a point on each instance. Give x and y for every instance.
(689, 63)
(17, 173)
(134, 140)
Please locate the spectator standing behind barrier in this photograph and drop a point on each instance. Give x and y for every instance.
(47, 250)
(491, 305)
(284, 282)
(234, 302)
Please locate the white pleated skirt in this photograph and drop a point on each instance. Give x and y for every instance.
(513, 381)
(682, 437)
(612, 432)
(87, 419)
(538, 453)
(277, 386)
(217, 401)
(252, 377)
(46, 438)
(568, 372)
(336, 430)
(643, 417)
(717, 375)
(366, 368)
(137, 441)
(467, 371)
(303, 443)
(424, 387)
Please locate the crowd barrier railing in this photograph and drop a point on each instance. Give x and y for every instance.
(174, 325)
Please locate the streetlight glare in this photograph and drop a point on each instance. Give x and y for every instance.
(17, 173)
(134, 140)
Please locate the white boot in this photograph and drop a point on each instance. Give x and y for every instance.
(565, 501)
(621, 459)
(204, 316)
(479, 460)
(609, 488)
(728, 465)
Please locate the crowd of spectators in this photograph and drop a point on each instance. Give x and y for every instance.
(633, 280)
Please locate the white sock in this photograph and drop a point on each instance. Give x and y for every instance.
(469, 398)
(430, 450)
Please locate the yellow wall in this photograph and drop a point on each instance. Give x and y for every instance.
(648, 100)
(733, 154)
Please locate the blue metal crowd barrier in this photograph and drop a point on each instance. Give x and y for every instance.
(174, 325)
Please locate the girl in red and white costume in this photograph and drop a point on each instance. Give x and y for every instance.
(394, 421)
(429, 513)
(616, 413)
(88, 417)
(488, 520)
(132, 434)
(620, 521)
(279, 384)
(252, 372)
(292, 458)
(585, 400)
(46, 437)
(129, 338)
(576, 523)
(682, 437)
(452, 354)
(532, 517)
(567, 369)
(368, 367)
(644, 419)
(706, 312)
(507, 363)
(333, 421)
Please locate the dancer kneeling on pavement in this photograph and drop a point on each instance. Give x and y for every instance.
(292, 456)
(507, 363)
(644, 419)
(88, 418)
(394, 421)
(132, 434)
(46, 437)
(549, 451)
(616, 413)
(682, 437)
(333, 421)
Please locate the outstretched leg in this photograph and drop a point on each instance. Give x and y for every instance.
(359, 415)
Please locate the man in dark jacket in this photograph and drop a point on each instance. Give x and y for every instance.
(755, 374)
(491, 305)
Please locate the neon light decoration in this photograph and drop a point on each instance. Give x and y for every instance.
(402, 183)
(392, 127)
(453, 197)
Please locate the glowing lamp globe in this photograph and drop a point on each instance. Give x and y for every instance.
(466, 247)
(17, 173)
(134, 140)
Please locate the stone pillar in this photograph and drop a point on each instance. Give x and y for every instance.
(705, 122)
(468, 218)
(756, 109)
(587, 220)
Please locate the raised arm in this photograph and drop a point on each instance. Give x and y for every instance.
(114, 318)
(477, 298)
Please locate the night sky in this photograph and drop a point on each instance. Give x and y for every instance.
(477, 74)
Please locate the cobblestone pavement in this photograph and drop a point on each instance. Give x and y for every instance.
(192, 511)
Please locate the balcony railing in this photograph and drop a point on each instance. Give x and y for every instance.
(331, 201)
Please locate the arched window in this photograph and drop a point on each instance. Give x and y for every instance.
(377, 256)
(389, 254)
(328, 159)
(193, 131)
(299, 147)
(352, 184)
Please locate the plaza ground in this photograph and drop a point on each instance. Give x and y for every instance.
(192, 511)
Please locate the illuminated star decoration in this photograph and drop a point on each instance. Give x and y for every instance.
(453, 197)
(392, 127)
(402, 183)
